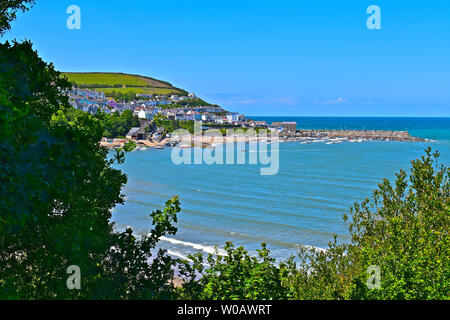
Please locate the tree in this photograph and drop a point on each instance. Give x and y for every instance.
(8, 11)
(403, 231)
(236, 275)
(117, 125)
(57, 190)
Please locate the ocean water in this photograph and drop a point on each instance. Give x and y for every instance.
(302, 204)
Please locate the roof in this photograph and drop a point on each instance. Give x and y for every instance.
(133, 131)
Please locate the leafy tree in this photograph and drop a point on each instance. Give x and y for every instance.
(118, 124)
(57, 190)
(8, 11)
(403, 230)
(237, 275)
(123, 96)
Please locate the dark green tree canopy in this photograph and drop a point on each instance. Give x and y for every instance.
(8, 11)
(57, 189)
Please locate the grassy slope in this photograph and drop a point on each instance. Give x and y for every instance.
(130, 83)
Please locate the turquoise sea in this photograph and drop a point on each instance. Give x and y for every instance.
(302, 204)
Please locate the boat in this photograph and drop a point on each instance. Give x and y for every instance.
(159, 147)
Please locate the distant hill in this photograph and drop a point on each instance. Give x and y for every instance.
(121, 83)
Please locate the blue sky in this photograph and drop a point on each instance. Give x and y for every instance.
(262, 57)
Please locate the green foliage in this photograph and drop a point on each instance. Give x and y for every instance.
(112, 79)
(236, 275)
(404, 231)
(58, 188)
(193, 103)
(128, 272)
(119, 157)
(121, 96)
(118, 124)
(172, 125)
(121, 86)
(8, 11)
(54, 178)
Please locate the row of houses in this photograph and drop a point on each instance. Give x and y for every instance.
(147, 113)
(176, 98)
(85, 93)
(146, 109)
(221, 117)
(201, 109)
(160, 100)
(91, 101)
(173, 98)
(90, 105)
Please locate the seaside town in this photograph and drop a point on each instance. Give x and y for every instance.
(147, 107)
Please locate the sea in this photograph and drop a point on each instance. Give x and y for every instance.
(303, 204)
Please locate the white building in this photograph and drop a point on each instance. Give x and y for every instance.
(233, 117)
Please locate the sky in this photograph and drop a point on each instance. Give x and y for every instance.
(266, 58)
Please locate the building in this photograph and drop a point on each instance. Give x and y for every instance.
(88, 93)
(137, 133)
(171, 115)
(193, 116)
(259, 124)
(233, 117)
(207, 117)
(147, 113)
(284, 126)
(180, 115)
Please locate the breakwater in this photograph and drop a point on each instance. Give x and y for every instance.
(351, 135)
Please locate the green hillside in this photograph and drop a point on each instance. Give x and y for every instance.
(113, 84)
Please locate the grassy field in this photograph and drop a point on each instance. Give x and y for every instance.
(127, 83)
(162, 91)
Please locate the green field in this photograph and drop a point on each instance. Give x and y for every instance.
(161, 91)
(122, 83)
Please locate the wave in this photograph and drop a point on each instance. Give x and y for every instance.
(178, 255)
(213, 250)
(207, 249)
(314, 248)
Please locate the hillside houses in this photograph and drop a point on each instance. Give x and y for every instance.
(87, 93)
(147, 106)
(205, 114)
(234, 117)
(147, 113)
(176, 98)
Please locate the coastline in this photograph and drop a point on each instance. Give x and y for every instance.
(302, 136)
